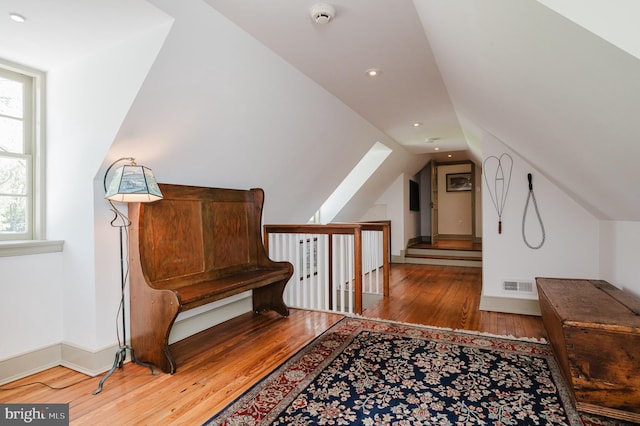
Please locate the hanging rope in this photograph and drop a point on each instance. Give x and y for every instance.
(501, 181)
(532, 196)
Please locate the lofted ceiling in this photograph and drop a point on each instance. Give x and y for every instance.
(56, 32)
(555, 81)
(384, 35)
(552, 85)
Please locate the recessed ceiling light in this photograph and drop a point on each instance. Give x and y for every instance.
(449, 156)
(373, 72)
(417, 124)
(17, 17)
(436, 148)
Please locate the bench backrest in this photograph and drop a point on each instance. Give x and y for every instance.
(197, 234)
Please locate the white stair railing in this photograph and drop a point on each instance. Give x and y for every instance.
(335, 265)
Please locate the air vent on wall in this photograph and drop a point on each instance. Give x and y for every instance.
(518, 286)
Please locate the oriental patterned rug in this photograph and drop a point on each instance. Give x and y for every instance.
(381, 373)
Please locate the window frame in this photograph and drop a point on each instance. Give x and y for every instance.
(34, 241)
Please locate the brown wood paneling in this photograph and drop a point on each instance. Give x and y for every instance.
(230, 239)
(173, 237)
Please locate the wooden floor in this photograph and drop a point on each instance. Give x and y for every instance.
(216, 366)
(447, 296)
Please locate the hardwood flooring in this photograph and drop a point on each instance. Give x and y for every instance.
(447, 296)
(217, 365)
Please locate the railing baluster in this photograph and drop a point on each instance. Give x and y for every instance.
(357, 268)
(304, 252)
(296, 275)
(320, 278)
(342, 264)
(330, 280)
(337, 270)
(333, 264)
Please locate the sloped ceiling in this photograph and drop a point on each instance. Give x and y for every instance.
(364, 34)
(618, 25)
(551, 90)
(555, 92)
(57, 32)
(220, 109)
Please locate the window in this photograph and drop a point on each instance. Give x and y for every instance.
(352, 183)
(21, 159)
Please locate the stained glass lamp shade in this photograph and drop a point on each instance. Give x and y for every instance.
(133, 184)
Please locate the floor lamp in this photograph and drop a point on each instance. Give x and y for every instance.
(131, 183)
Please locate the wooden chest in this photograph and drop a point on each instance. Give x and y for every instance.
(594, 329)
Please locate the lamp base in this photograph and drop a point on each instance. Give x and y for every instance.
(121, 355)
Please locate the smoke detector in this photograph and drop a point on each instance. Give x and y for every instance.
(322, 13)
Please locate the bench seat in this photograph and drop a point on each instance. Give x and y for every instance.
(195, 246)
(200, 293)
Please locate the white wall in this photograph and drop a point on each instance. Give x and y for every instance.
(72, 296)
(620, 252)
(572, 244)
(32, 302)
(393, 199)
(454, 208)
(81, 131)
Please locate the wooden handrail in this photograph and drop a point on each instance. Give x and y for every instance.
(354, 229)
(332, 228)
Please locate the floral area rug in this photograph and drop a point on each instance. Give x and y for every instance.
(380, 373)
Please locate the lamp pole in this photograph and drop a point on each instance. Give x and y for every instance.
(121, 353)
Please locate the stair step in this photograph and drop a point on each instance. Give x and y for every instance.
(441, 252)
(474, 263)
(440, 256)
(447, 257)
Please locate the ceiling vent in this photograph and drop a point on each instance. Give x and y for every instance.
(322, 13)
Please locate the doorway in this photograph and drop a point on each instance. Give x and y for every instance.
(453, 202)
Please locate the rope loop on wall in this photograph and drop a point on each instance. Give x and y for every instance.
(532, 197)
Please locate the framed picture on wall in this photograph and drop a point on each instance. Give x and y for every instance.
(458, 182)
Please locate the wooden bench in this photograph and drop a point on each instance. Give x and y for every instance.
(594, 329)
(195, 246)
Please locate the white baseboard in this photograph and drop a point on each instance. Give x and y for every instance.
(29, 363)
(87, 361)
(510, 305)
(94, 363)
(213, 314)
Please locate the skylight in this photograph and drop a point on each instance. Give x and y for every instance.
(352, 183)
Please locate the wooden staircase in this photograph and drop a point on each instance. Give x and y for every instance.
(445, 252)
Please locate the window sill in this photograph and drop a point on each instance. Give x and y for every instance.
(23, 248)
